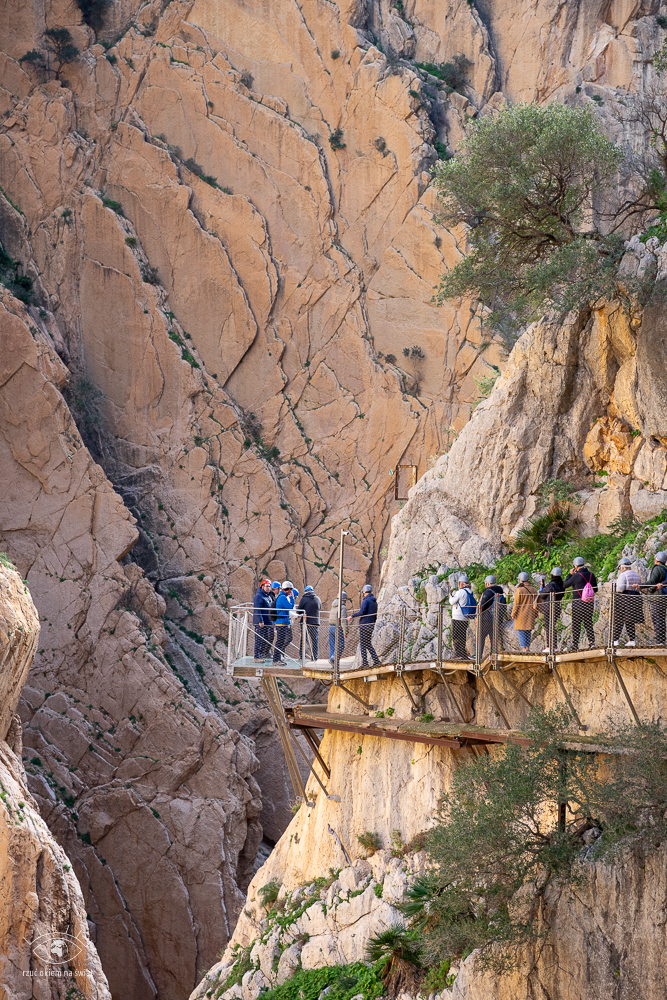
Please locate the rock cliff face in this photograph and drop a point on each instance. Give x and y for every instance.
(226, 215)
(150, 793)
(577, 399)
(232, 279)
(40, 899)
(392, 789)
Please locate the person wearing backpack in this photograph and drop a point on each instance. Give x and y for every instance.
(367, 615)
(658, 599)
(544, 603)
(464, 607)
(628, 608)
(584, 588)
(524, 611)
(492, 597)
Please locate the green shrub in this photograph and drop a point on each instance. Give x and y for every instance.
(115, 206)
(396, 951)
(268, 894)
(93, 11)
(557, 524)
(18, 284)
(497, 832)
(521, 182)
(336, 139)
(371, 842)
(342, 981)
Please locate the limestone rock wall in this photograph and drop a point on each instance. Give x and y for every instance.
(19, 637)
(391, 788)
(40, 899)
(249, 401)
(148, 789)
(579, 401)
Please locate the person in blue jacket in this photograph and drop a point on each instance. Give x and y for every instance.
(261, 620)
(284, 610)
(367, 615)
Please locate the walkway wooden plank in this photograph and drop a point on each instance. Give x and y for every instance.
(450, 734)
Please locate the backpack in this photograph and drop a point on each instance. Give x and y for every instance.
(470, 607)
(588, 594)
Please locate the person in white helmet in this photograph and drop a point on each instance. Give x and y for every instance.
(582, 581)
(464, 608)
(658, 599)
(628, 607)
(284, 609)
(524, 611)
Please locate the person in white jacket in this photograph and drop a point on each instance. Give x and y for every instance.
(459, 600)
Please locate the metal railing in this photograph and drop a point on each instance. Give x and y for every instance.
(542, 626)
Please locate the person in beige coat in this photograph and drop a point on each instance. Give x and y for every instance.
(524, 611)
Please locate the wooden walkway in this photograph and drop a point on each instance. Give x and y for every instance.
(447, 734)
(322, 670)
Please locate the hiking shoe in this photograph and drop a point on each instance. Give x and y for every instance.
(631, 643)
(616, 642)
(546, 651)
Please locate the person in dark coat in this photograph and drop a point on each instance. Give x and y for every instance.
(628, 603)
(550, 608)
(492, 597)
(367, 615)
(658, 600)
(582, 611)
(261, 621)
(311, 606)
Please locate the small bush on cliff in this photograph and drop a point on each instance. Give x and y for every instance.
(557, 524)
(341, 981)
(371, 842)
(513, 823)
(268, 894)
(522, 183)
(93, 11)
(18, 284)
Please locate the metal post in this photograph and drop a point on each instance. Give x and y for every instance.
(304, 633)
(336, 676)
(401, 637)
(551, 626)
(612, 623)
(478, 636)
(439, 638)
(230, 643)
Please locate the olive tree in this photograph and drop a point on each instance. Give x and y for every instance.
(523, 184)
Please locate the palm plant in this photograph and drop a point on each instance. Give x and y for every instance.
(543, 531)
(397, 947)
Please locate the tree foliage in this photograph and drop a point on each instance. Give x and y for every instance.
(544, 530)
(61, 45)
(500, 838)
(522, 184)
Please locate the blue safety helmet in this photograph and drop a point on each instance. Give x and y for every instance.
(307, 588)
(275, 585)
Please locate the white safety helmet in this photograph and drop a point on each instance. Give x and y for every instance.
(489, 581)
(523, 578)
(287, 585)
(463, 578)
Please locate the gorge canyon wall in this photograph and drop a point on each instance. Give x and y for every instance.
(226, 214)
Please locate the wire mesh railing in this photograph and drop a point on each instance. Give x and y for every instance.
(527, 623)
